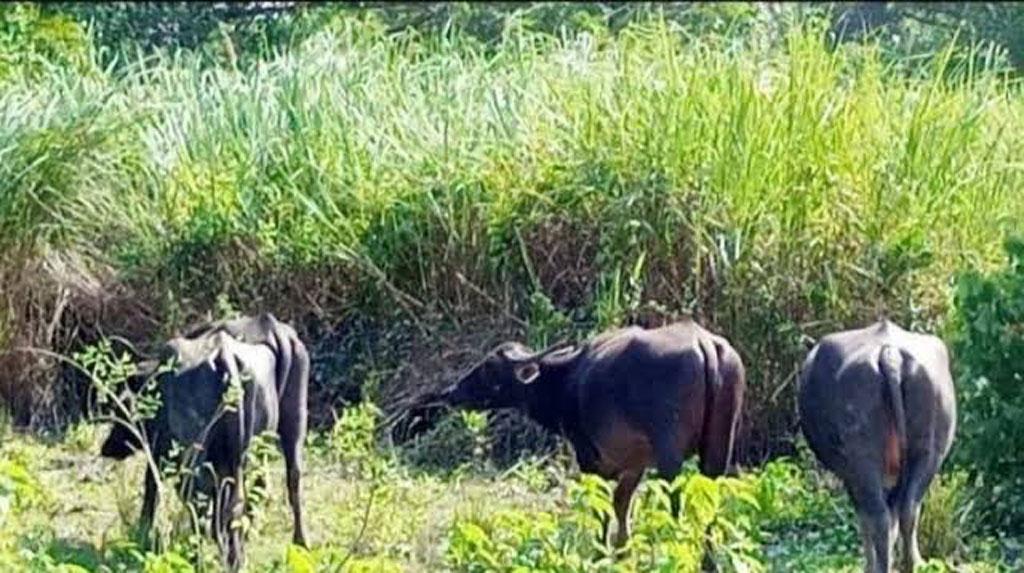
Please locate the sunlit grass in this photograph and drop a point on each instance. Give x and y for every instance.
(774, 191)
(408, 520)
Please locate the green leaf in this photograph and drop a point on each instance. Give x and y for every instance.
(299, 560)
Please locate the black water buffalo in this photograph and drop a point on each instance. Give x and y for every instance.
(272, 366)
(627, 400)
(877, 408)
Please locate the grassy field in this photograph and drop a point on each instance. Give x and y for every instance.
(369, 509)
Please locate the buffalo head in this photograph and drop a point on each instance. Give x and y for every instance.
(123, 441)
(501, 380)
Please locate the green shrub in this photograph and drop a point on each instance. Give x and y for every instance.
(352, 441)
(19, 487)
(946, 516)
(299, 560)
(989, 349)
(32, 41)
(722, 515)
(809, 524)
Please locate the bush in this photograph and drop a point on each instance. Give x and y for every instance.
(353, 441)
(32, 41)
(721, 515)
(946, 517)
(989, 347)
(299, 560)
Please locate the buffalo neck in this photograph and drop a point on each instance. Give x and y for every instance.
(549, 399)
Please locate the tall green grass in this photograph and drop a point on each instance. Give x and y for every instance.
(775, 189)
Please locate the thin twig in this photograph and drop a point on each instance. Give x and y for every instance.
(362, 527)
(63, 299)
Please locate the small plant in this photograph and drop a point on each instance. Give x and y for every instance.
(299, 560)
(546, 322)
(945, 516)
(476, 424)
(262, 453)
(20, 489)
(81, 436)
(619, 294)
(352, 441)
(537, 474)
(225, 309)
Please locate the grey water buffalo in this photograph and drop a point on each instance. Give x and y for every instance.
(271, 366)
(877, 408)
(626, 400)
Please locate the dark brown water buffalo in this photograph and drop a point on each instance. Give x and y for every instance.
(627, 400)
(272, 366)
(878, 410)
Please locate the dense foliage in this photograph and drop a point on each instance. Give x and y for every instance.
(555, 186)
(990, 352)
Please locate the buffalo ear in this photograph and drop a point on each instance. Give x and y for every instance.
(528, 372)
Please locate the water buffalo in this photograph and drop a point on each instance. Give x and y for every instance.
(627, 400)
(877, 408)
(272, 366)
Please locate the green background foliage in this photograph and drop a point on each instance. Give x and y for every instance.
(990, 351)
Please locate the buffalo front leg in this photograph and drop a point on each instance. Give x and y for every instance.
(622, 498)
(227, 527)
(149, 502)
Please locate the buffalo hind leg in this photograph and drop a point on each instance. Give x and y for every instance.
(291, 446)
(670, 448)
(669, 454)
(876, 523)
(867, 543)
(669, 459)
(908, 530)
(877, 529)
(292, 433)
(623, 497)
(919, 477)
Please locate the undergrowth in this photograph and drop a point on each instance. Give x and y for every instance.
(374, 513)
